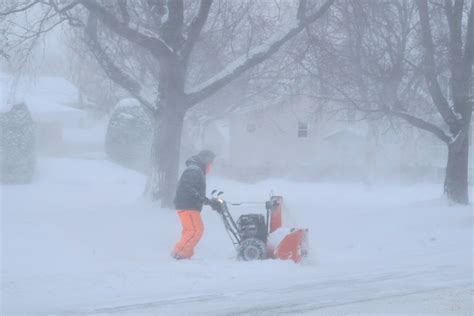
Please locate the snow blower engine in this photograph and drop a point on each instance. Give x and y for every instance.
(258, 237)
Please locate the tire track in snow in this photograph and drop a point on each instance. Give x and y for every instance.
(301, 308)
(305, 297)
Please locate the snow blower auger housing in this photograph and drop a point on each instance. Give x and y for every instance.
(256, 237)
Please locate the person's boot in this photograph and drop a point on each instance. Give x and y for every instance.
(179, 257)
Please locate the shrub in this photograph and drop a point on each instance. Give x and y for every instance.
(17, 145)
(129, 135)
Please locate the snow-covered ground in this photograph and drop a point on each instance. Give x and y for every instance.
(80, 240)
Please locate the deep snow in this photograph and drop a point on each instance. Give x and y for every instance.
(82, 240)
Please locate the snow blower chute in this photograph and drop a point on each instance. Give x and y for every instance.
(256, 236)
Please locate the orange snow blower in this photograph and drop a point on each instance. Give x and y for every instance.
(256, 237)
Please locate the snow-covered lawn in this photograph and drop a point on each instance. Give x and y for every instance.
(81, 240)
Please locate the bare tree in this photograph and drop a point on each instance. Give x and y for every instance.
(456, 110)
(168, 31)
(380, 70)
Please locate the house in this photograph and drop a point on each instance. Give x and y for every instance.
(53, 103)
(293, 140)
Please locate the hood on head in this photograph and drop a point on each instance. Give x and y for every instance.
(194, 160)
(206, 156)
(202, 159)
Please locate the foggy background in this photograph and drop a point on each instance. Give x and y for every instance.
(314, 111)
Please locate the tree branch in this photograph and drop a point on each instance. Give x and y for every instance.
(157, 10)
(4, 55)
(437, 96)
(14, 9)
(147, 39)
(300, 14)
(124, 11)
(254, 57)
(115, 73)
(172, 28)
(422, 124)
(468, 55)
(64, 9)
(195, 28)
(384, 110)
(64, 12)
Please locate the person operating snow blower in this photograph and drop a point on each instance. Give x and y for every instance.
(189, 200)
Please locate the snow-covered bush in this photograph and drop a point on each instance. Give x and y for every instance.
(17, 145)
(129, 135)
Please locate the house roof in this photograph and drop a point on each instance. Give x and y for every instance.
(344, 135)
(43, 94)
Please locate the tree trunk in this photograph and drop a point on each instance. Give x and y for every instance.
(456, 180)
(169, 119)
(163, 176)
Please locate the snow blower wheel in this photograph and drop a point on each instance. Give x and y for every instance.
(252, 249)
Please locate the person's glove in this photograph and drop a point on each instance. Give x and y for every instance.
(215, 204)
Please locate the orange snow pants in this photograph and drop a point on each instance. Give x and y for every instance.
(191, 233)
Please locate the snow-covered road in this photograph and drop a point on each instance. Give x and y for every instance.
(447, 290)
(81, 241)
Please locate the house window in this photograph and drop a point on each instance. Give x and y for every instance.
(251, 127)
(302, 130)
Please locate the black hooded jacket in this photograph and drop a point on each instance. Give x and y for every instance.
(191, 190)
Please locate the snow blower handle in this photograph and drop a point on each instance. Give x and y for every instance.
(216, 204)
(214, 195)
(242, 203)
